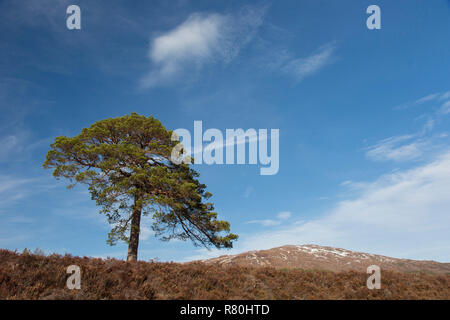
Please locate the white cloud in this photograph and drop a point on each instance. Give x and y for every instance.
(13, 189)
(418, 146)
(445, 108)
(428, 126)
(266, 222)
(304, 67)
(403, 214)
(201, 39)
(145, 233)
(440, 96)
(282, 61)
(283, 215)
(393, 149)
(445, 96)
(17, 145)
(197, 38)
(354, 185)
(10, 145)
(427, 98)
(248, 191)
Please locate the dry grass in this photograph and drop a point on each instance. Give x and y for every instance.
(31, 276)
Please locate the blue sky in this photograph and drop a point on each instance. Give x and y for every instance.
(363, 117)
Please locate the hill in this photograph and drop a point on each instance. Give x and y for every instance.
(326, 258)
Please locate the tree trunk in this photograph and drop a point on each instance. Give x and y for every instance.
(134, 230)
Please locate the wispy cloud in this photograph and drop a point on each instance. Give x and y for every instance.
(395, 148)
(12, 189)
(444, 96)
(281, 216)
(303, 67)
(427, 98)
(265, 222)
(433, 97)
(284, 215)
(10, 144)
(199, 40)
(18, 145)
(428, 126)
(354, 186)
(420, 145)
(415, 146)
(445, 108)
(284, 62)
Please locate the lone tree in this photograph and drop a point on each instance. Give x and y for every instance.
(126, 162)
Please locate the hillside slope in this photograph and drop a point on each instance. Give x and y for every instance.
(326, 258)
(27, 276)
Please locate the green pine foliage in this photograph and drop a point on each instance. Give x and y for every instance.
(126, 162)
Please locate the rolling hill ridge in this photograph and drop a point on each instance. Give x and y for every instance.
(326, 258)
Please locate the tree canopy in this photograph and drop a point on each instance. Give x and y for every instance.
(126, 162)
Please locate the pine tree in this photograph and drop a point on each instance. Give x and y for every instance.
(126, 162)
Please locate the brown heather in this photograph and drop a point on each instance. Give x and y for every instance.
(31, 276)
